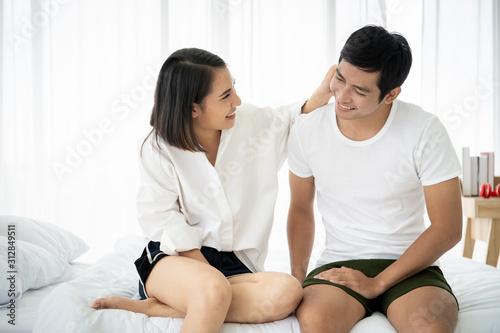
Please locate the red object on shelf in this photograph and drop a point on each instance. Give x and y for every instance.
(486, 191)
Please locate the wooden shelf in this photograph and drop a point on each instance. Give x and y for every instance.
(477, 207)
(483, 223)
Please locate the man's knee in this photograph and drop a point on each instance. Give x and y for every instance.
(422, 324)
(313, 320)
(440, 314)
(328, 309)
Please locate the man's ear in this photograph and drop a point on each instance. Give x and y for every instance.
(196, 110)
(392, 95)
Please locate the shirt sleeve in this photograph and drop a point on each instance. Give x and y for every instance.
(272, 126)
(436, 158)
(158, 210)
(297, 161)
(289, 114)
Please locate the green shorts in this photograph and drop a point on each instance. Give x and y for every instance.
(431, 276)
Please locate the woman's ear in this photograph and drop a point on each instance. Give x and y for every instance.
(196, 110)
(392, 95)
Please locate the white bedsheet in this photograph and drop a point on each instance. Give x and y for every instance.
(67, 307)
(26, 310)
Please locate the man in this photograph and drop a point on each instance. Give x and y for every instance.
(375, 163)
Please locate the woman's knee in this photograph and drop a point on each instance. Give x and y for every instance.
(212, 292)
(292, 291)
(285, 296)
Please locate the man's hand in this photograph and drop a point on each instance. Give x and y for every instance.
(353, 279)
(321, 96)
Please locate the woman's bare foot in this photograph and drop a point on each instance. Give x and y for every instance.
(150, 307)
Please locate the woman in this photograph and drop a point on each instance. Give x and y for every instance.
(206, 203)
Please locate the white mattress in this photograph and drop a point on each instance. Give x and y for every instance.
(66, 307)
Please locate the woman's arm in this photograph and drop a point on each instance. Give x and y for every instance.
(321, 96)
(158, 207)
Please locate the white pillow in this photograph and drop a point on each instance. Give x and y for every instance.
(48, 236)
(26, 266)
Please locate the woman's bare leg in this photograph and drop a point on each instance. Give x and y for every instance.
(151, 306)
(181, 285)
(256, 298)
(263, 297)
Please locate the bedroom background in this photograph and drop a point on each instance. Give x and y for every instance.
(77, 80)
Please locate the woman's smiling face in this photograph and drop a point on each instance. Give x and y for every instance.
(217, 111)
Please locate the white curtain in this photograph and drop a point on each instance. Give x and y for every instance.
(77, 80)
(77, 85)
(496, 75)
(458, 66)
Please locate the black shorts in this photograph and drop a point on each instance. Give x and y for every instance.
(431, 276)
(226, 262)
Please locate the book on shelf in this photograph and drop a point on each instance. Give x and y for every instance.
(482, 173)
(477, 170)
(474, 176)
(466, 172)
(490, 156)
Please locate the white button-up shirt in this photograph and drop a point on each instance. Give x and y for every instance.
(184, 202)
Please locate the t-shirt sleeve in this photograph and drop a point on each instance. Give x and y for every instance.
(297, 161)
(436, 158)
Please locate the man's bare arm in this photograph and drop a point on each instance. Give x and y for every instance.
(444, 207)
(300, 226)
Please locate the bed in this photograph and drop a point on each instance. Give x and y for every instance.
(64, 306)
(26, 311)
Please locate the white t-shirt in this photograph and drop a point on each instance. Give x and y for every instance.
(185, 203)
(370, 193)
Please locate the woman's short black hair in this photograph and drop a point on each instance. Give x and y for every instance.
(185, 78)
(374, 49)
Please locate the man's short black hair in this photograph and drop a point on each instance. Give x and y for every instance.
(374, 49)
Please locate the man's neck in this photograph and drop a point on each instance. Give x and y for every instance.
(365, 128)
